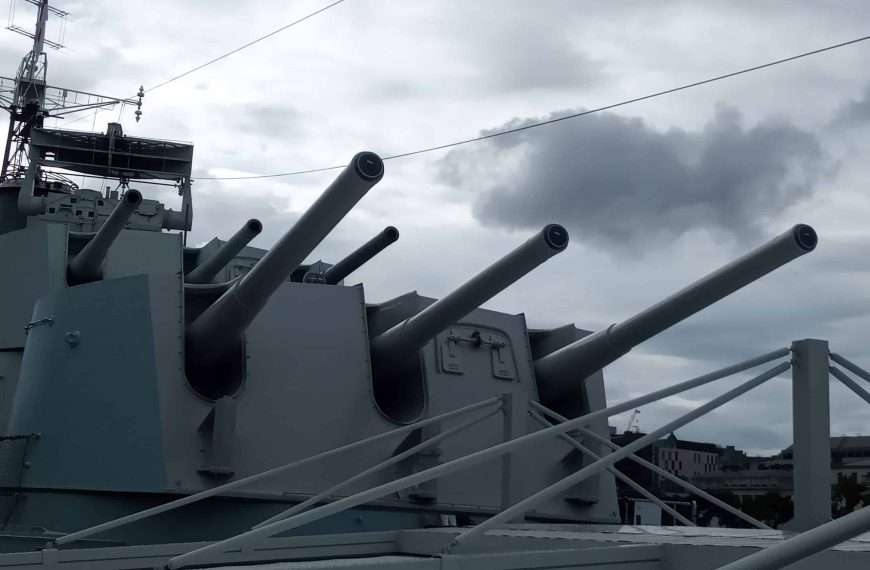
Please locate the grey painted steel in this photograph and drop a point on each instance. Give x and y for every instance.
(221, 325)
(851, 384)
(811, 425)
(407, 337)
(227, 487)
(850, 366)
(659, 471)
(87, 265)
(559, 371)
(561, 486)
(251, 536)
(616, 472)
(361, 255)
(806, 544)
(205, 271)
(380, 466)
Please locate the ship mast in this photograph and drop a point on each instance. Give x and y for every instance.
(29, 99)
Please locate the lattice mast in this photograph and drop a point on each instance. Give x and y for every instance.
(29, 99)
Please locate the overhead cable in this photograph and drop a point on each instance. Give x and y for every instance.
(233, 51)
(558, 119)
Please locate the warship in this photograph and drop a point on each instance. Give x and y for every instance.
(169, 406)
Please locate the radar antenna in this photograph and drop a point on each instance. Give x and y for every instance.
(29, 99)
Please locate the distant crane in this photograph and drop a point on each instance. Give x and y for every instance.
(633, 422)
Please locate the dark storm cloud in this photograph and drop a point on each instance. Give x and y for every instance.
(622, 183)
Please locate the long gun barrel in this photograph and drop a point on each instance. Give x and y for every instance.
(560, 372)
(87, 265)
(364, 253)
(221, 325)
(410, 335)
(205, 271)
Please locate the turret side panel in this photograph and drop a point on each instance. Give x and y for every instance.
(138, 252)
(485, 355)
(307, 390)
(88, 385)
(37, 264)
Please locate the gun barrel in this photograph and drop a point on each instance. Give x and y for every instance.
(364, 253)
(205, 271)
(87, 265)
(222, 324)
(561, 369)
(410, 335)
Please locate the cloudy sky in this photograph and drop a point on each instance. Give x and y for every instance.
(655, 194)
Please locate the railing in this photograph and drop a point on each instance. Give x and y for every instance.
(825, 535)
(809, 365)
(293, 518)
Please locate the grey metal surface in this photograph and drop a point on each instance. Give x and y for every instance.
(87, 264)
(812, 434)
(561, 371)
(206, 270)
(360, 256)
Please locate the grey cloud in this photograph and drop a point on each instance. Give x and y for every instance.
(622, 183)
(855, 112)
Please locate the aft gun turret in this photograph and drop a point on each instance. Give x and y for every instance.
(559, 372)
(395, 350)
(87, 265)
(218, 330)
(361, 255)
(205, 271)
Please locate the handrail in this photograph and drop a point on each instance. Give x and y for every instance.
(659, 471)
(566, 483)
(171, 505)
(851, 384)
(616, 472)
(851, 366)
(375, 468)
(198, 555)
(805, 544)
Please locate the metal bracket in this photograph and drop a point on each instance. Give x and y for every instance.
(39, 322)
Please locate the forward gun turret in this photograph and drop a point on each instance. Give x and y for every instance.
(395, 350)
(87, 265)
(559, 372)
(217, 331)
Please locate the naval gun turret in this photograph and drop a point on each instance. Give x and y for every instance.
(87, 265)
(214, 336)
(394, 352)
(559, 372)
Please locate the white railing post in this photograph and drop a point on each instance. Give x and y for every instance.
(812, 434)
